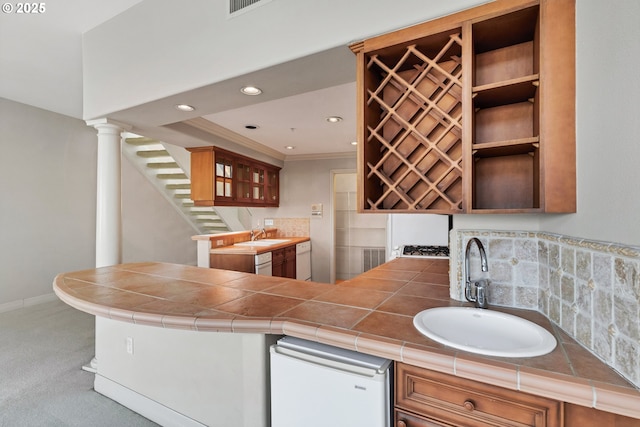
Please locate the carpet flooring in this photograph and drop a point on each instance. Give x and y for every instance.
(42, 350)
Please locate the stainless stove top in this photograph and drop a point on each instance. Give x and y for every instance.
(424, 251)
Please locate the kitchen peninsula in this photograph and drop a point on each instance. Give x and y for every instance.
(371, 313)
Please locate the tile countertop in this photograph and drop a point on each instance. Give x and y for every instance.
(234, 249)
(224, 243)
(372, 313)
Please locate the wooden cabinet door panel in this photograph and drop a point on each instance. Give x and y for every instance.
(284, 262)
(290, 262)
(277, 263)
(235, 262)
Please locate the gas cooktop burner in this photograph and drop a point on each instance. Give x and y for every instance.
(426, 251)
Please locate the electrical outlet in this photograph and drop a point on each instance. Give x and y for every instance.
(219, 242)
(268, 222)
(129, 342)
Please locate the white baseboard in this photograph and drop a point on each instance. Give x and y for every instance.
(27, 302)
(142, 405)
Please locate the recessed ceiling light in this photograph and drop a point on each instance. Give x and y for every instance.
(185, 107)
(251, 90)
(334, 119)
(354, 142)
(289, 147)
(251, 127)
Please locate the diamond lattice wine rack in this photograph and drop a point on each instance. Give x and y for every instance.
(413, 147)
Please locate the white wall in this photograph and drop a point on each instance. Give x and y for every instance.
(302, 183)
(48, 199)
(608, 124)
(48, 205)
(152, 229)
(218, 379)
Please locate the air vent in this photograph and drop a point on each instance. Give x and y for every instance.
(372, 257)
(237, 7)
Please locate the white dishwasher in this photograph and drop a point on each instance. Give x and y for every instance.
(303, 261)
(317, 385)
(264, 264)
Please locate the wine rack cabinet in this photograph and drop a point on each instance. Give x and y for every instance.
(470, 113)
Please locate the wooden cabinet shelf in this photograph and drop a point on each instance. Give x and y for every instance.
(223, 178)
(506, 92)
(450, 112)
(506, 148)
(506, 112)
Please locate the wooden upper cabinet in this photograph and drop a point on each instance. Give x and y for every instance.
(223, 178)
(470, 113)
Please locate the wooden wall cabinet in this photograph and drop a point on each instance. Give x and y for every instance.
(470, 113)
(223, 178)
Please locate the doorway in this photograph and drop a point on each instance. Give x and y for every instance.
(359, 239)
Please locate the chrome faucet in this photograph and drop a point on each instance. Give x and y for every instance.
(479, 294)
(255, 236)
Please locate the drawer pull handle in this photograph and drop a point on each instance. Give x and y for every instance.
(401, 423)
(469, 405)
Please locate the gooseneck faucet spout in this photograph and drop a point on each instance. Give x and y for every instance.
(480, 295)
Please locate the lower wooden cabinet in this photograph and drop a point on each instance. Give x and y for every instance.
(235, 262)
(428, 398)
(284, 262)
(579, 416)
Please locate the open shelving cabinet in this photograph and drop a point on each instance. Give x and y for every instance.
(470, 113)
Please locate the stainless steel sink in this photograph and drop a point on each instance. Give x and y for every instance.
(482, 331)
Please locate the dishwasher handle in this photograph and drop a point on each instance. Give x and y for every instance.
(329, 363)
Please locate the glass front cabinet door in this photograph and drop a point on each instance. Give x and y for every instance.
(223, 178)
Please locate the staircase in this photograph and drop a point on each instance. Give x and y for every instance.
(153, 160)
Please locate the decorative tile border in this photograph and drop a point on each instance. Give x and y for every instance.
(590, 289)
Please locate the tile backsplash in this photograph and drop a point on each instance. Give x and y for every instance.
(588, 288)
(292, 227)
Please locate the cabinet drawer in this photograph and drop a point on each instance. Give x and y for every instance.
(452, 400)
(404, 419)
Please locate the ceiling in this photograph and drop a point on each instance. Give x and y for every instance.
(41, 54)
(44, 69)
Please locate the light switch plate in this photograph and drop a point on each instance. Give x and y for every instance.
(316, 210)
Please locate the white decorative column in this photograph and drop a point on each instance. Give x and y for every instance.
(108, 198)
(109, 192)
